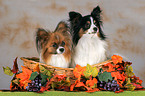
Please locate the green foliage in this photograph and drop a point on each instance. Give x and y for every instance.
(129, 71)
(8, 71)
(16, 81)
(90, 71)
(105, 76)
(44, 79)
(129, 86)
(44, 70)
(33, 75)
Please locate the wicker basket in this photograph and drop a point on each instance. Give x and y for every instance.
(31, 62)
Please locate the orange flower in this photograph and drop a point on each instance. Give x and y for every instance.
(91, 82)
(24, 76)
(116, 59)
(78, 71)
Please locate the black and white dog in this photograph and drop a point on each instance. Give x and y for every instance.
(88, 37)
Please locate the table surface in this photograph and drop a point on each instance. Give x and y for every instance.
(61, 93)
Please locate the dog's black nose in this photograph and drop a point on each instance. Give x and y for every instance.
(95, 29)
(61, 49)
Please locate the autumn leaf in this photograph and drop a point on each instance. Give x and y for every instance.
(60, 77)
(11, 86)
(16, 81)
(119, 91)
(78, 71)
(76, 84)
(24, 76)
(137, 86)
(129, 71)
(136, 80)
(111, 67)
(15, 66)
(90, 71)
(93, 90)
(79, 84)
(92, 83)
(130, 87)
(46, 87)
(33, 75)
(36, 68)
(116, 59)
(88, 88)
(72, 87)
(105, 76)
(44, 79)
(8, 71)
(95, 72)
(117, 76)
(44, 71)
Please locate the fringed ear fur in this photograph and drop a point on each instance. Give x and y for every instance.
(63, 28)
(74, 17)
(42, 37)
(96, 13)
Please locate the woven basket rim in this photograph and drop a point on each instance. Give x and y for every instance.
(35, 62)
(26, 59)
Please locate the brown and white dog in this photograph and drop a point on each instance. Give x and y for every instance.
(55, 47)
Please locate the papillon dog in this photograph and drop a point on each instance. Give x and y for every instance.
(55, 47)
(88, 37)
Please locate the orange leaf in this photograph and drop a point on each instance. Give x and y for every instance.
(111, 67)
(88, 88)
(117, 75)
(24, 76)
(79, 84)
(72, 87)
(42, 89)
(46, 88)
(36, 68)
(78, 71)
(120, 83)
(119, 91)
(91, 82)
(93, 90)
(60, 77)
(11, 86)
(116, 59)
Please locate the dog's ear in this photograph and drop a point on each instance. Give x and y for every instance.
(63, 28)
(42, 37)
(96, 13)
(74, 17)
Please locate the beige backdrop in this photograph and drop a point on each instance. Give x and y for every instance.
(124, 25)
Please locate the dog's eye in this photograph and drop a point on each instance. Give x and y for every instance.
(95, 22)
(87, 25)
(54, 45)
(63, 43)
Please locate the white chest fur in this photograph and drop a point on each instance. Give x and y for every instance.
(58, 61)
(90, 50)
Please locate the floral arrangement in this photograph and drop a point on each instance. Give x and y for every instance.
(116, 76)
